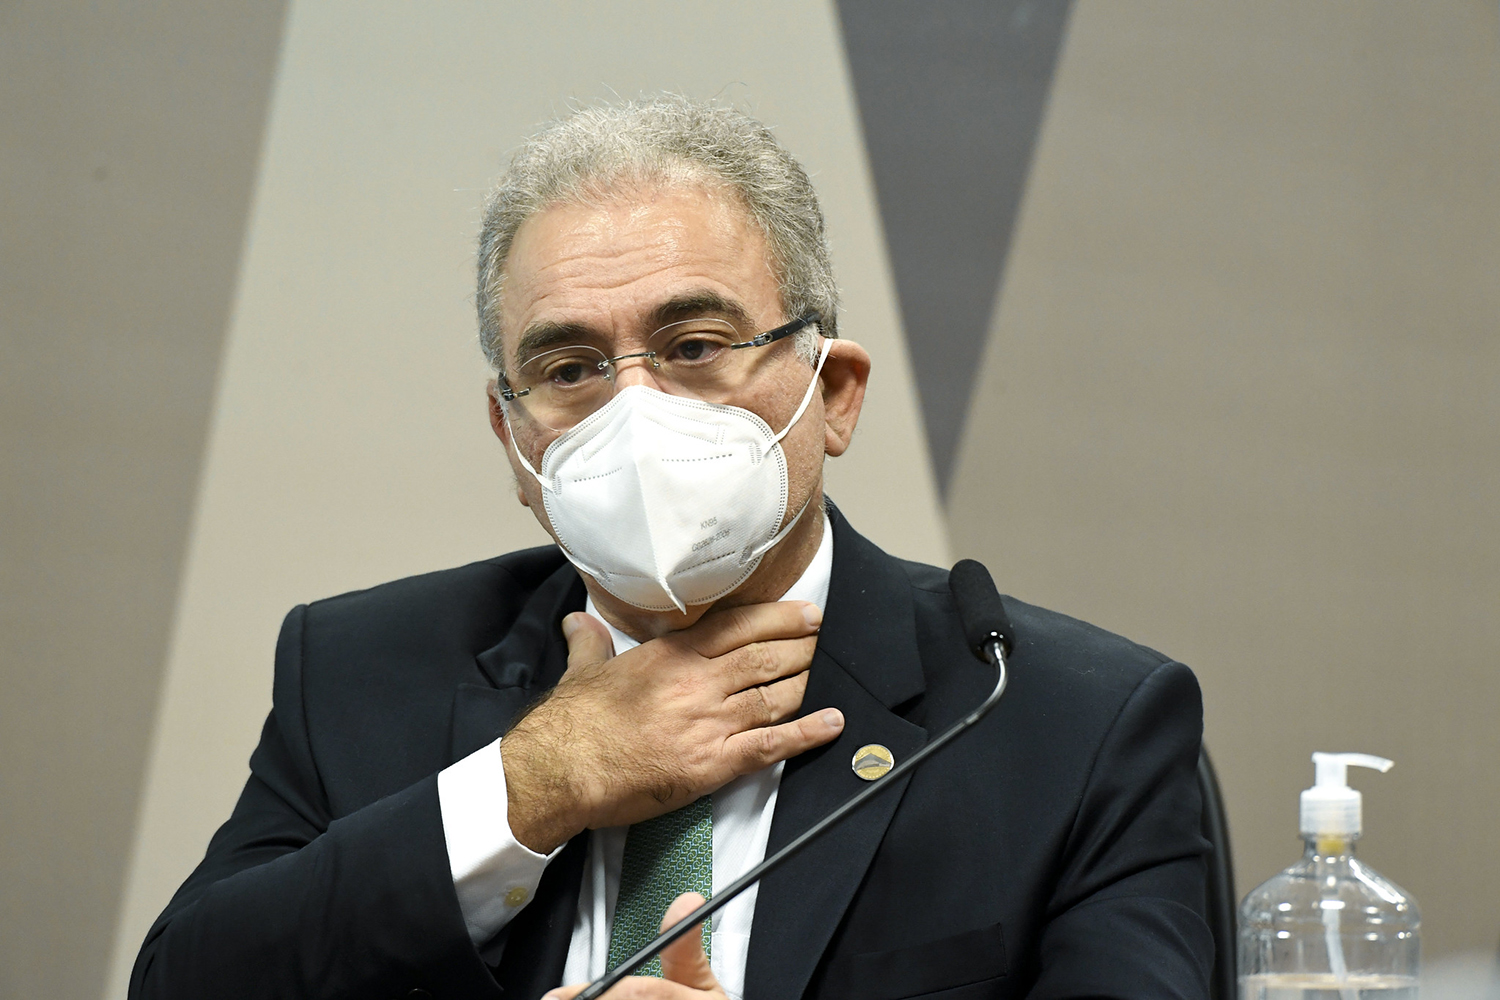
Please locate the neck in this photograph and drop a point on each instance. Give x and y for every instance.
(778, 570)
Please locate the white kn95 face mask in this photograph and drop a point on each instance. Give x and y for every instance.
(668, 501)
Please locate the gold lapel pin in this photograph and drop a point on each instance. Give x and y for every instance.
(872, 761)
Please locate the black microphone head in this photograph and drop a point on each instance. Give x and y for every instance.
(979, 608)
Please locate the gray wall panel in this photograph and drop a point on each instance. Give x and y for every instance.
(1240, 403)
(951, 95)
(128, 143)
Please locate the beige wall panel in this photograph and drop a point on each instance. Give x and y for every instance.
(1240, 403)
(349, 444)
(128, 141)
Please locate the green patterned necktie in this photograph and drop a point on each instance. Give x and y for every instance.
(664, 857)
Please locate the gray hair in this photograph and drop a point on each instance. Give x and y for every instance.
(599, 150)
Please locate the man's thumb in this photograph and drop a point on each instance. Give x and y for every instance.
(588, 640)
(683, 960)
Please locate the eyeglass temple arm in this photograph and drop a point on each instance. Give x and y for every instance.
(786, 330)
(507, 393)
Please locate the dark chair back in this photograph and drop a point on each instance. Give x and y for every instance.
(1221, 898)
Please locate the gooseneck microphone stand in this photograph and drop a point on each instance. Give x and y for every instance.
(988, 632)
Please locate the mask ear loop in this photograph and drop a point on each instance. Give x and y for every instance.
(505, 414)
(806, 399)
(590, 570)
(771, 542)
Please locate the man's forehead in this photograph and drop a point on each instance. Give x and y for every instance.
(633, 262)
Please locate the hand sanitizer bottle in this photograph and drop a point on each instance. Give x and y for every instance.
(1329, 927)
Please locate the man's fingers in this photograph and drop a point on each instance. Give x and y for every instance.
(719, 632)
(768, 703)
(588, 640)
(684, 967)
(683, 964)
(758, 748)
(764, 662)
(683, 960)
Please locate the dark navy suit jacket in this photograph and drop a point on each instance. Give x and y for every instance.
(1052, 851)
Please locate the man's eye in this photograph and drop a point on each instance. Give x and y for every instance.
(692, 349)
(569, 372)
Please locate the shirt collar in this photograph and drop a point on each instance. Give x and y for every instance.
(811, 586)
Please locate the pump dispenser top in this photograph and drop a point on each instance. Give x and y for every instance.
(1330, 808)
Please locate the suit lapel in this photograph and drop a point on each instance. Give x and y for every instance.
(482, 714)
(867, 664)
(528, 661)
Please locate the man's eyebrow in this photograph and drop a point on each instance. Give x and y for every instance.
(542, 336)
(702, 302)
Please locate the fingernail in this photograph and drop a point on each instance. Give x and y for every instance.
(569, 626)
(833, 719)
(813, 615)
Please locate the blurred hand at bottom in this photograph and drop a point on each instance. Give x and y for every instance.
(686, 968)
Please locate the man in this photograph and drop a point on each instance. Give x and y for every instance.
(497, 780)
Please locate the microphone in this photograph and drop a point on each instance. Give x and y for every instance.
(989, 635)
(984, 619)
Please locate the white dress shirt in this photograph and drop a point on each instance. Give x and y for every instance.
(495, 875)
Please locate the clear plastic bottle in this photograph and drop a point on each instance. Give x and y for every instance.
(1330, 927)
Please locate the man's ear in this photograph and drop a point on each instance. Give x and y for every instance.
(845, 375)
(502, 431)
